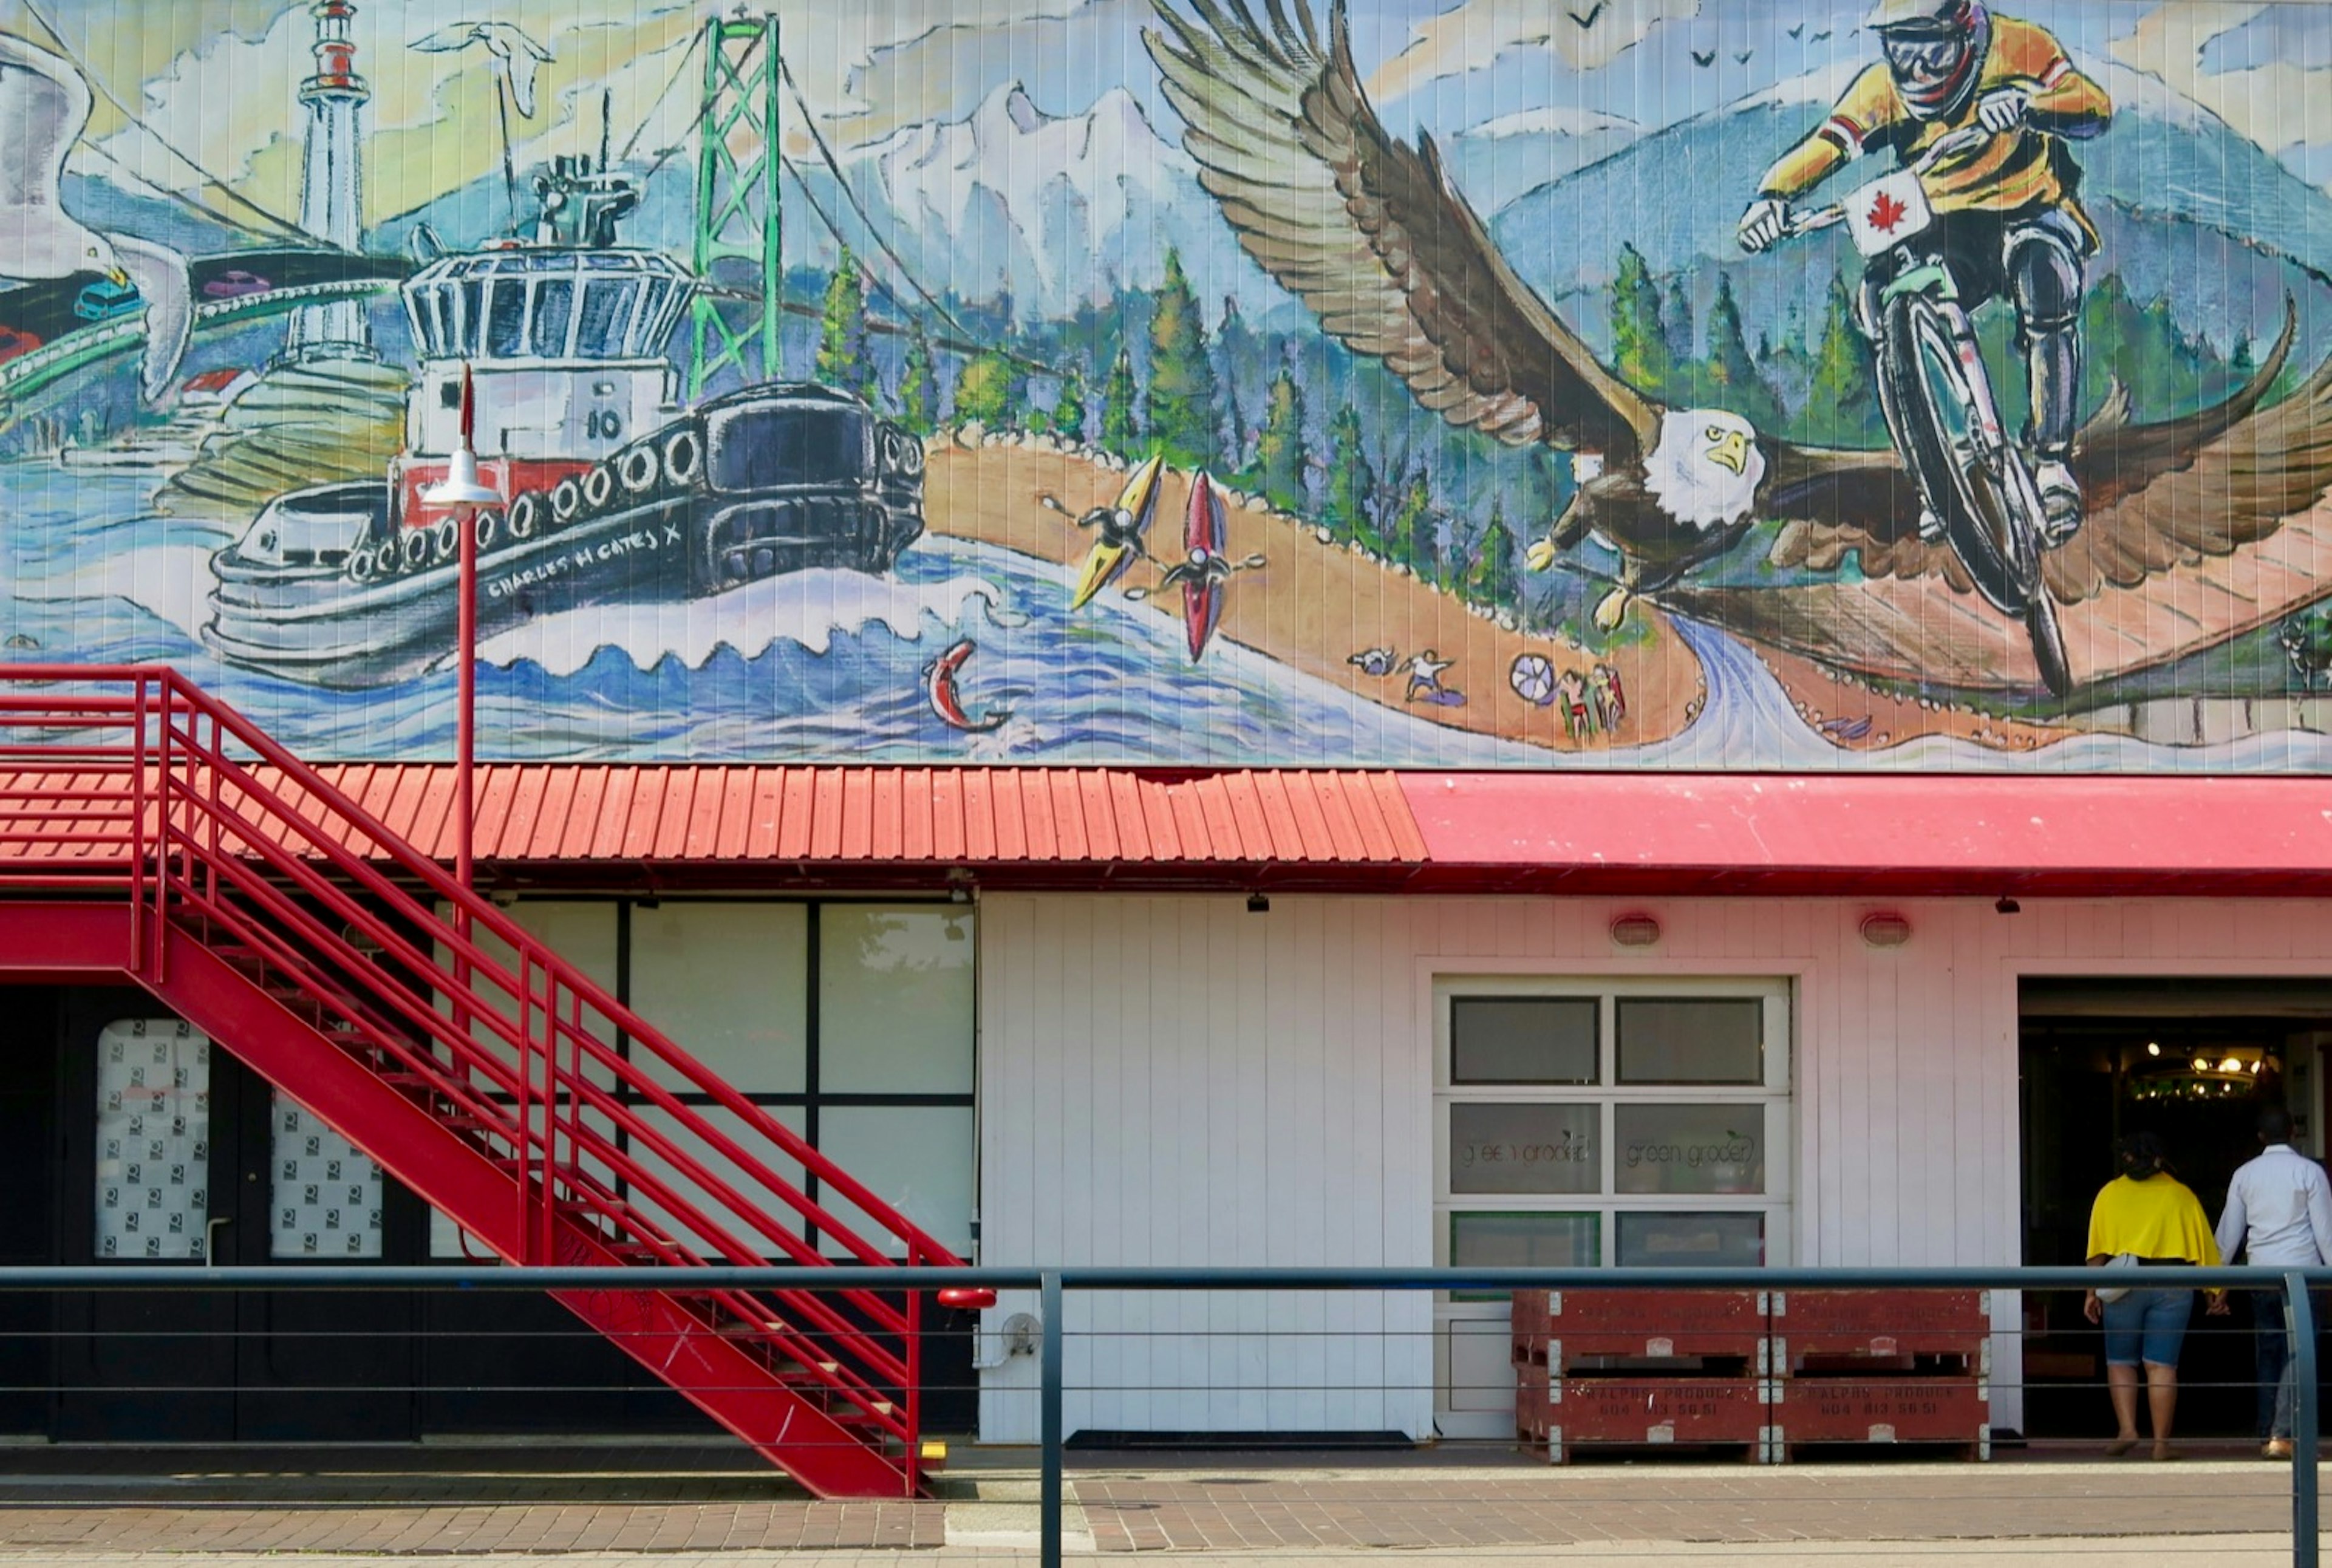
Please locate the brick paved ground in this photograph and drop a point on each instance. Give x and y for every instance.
(97, 1509)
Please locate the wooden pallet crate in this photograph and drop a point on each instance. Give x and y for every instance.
(1953, 1412)
(1844, 1326)
(1636, 1411)
(1564, 1328)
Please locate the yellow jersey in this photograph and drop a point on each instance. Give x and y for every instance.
(2021, 169)
(2159, 1217)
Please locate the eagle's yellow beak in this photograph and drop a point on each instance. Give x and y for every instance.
(1730, 447)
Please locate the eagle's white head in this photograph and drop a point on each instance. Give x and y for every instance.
(1705, 467)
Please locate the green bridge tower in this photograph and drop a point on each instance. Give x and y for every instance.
(738, 213)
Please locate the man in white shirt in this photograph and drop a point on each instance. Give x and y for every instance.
(2279, 1212)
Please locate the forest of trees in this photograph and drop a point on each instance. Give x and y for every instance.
(1292, 418)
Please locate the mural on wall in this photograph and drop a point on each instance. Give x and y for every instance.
(1656, 383)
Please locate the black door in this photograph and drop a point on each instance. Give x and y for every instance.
(175, 1152)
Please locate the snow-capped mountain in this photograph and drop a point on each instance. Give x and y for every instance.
(1056, 211)
(2190, 210)
(1501, 160)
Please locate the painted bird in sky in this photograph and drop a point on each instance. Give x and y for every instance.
(1375, 238)
(45, 106)
(515, 55)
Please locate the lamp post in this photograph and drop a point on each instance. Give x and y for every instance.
(465, 491)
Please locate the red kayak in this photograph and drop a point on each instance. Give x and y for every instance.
(1205, 531)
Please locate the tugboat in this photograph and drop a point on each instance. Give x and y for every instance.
(616, 493)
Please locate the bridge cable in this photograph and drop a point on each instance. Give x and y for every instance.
(98, 85)
(834, 166)
(694, 38)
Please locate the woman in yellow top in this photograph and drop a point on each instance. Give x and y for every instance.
(2149, 1213)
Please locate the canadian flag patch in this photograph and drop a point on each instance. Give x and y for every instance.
(1885, 213)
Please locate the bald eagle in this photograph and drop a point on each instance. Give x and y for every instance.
(1375, 238)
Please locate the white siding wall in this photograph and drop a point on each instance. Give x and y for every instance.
(1175, 1081)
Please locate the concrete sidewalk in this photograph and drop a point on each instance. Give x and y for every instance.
(714, 1508)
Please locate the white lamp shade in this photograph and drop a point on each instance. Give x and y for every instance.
(462, 485)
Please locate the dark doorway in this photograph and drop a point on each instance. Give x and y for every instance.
(2192, 1061)
(176, 1154)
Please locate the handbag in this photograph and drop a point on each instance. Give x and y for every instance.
(2116, 1291)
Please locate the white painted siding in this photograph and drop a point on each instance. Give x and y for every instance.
(1174, 1080)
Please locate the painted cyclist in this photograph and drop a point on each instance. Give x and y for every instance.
(2008, 215)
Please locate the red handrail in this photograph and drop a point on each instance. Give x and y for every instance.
(133, 779)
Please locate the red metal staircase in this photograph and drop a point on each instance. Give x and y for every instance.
(148, 829)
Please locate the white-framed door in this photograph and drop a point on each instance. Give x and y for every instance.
(1589, 1123)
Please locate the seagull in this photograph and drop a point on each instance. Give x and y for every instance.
(45, 104)
(515, 55)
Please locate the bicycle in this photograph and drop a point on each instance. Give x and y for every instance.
(1972, 473)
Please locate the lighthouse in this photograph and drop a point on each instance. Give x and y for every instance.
(329, 195)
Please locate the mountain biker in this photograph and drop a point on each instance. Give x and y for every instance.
(2007, 218)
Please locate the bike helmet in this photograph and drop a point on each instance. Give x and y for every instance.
(1935, 50)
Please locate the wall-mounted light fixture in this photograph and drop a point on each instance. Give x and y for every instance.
(2004, 905)
(1258, 904)
(1885, 928)
(1635, 931)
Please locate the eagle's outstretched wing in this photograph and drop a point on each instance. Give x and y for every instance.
(1372, 237)
(2157, 495)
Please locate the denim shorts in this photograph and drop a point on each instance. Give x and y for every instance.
(2147, 1326)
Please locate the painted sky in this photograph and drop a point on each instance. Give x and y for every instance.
(215, 77)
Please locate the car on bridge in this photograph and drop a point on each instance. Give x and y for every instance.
(235, 284)
(104, 299)
(14, 343)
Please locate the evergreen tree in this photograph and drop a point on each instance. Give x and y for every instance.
(1410, 539)
(1351, 483)
(1493, 578)
(1069, 409)
(919, 387)
(1120, 434)
(1676, 320)
(989, 391)
(1842, 396)
(1640, 347)
(1182, 400)
(843, 357)
(1734, 383)
(1279, 454)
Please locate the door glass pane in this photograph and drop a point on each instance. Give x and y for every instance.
(1522, 1040)
(153, 1139)
(729, 983)
(1692, 1240)
(1690, 1148)
(1503, 1147)
(915, 1158)
(1694, 1040)
(327, 1191)
(1492, 1240)
(894, 1000)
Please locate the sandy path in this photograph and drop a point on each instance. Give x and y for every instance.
(1312, 603)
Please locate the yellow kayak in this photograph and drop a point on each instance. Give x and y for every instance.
(1113, 552)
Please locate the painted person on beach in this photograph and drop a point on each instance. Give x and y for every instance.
(2146, 1214)
(2008, 215)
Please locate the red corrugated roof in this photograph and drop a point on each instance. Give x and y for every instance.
(1890, 835)
(531, 814)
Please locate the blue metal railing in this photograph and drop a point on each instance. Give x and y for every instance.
(1052, 1285)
